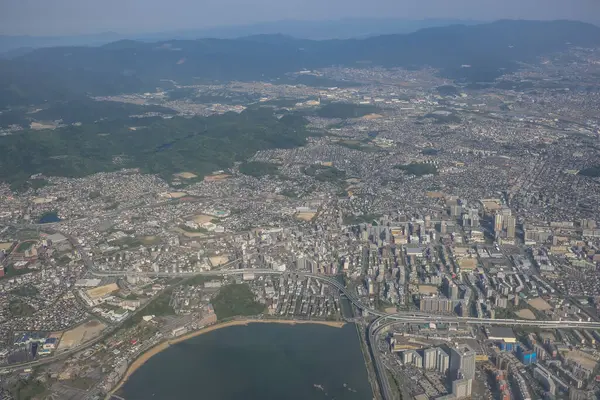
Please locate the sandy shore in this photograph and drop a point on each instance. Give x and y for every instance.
(165, 345)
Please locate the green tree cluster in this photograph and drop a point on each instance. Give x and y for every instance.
(418, 169)
(236, 299)
(324, 173)
(155, 145)
(258, 168)
(345, 110)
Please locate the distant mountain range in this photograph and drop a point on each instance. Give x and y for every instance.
(472, 53)
(315, 30)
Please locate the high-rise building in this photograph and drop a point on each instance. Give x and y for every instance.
(413, 358)
(498, 225)
(443, 361)
(455, 210)
(453, 291)
(462, 362)
(544, 377)
(471, 219)
(418, 360)
(462, 388)
(443, 227)
(436, 305)
(407, 357)
(430, 358)
(540, 351)
(474, 217)
(301, 263)
(511, 223)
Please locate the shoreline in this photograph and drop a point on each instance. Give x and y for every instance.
(151, 352)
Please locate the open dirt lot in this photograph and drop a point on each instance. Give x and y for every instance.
(580, 358)
(218, 260)
(39, 126)
(202, 218)
(150, 240)
(186, 175)
(80, 334)
(102, 291)
(372, 116)
(219, 177)
(189, 234)
(177, 195)
(539, 304)
(305, 216)
(525, 314)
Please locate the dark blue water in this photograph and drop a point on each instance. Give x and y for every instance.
(49, 218)
(258, 361)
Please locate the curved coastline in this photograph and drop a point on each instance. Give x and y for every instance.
(148, 354)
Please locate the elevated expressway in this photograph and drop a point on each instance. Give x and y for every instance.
(406, 317)
(384, 320)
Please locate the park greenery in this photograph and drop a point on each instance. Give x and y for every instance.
(361, 219)
(155, 145)
(430, 152)
(258, 168)
(84, 110)
(324, 173)
(448, 90)
(27, 389)
(193, 230)
(362, 145)
(24, 246)
(161, 305)
(88, 111)
(418, 169)
(19, 308)
(236, 299)
(444, 118)
(345, 110)
(10, 271)
(211, 98)
(318, 81)
(26, 290)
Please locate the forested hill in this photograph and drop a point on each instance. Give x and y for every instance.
(65, 73)
(155, 145)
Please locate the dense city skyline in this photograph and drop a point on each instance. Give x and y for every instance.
(431, 199)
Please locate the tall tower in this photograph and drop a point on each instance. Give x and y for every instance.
(474, 217)
(430, 358)
(443, 361)
(498, 225)
(462, 359)
(511, 223)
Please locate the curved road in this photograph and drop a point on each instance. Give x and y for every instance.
(383, 321)
(418, 317)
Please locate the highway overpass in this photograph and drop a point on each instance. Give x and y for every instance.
(406, 317)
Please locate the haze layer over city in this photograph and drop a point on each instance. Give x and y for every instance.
(300, 200)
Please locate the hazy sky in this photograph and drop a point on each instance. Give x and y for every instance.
(58, 17)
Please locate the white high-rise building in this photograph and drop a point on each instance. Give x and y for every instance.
(443, 361)
(430, 358)
(462, 359)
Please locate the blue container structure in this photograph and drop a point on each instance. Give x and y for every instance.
(527, 357)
